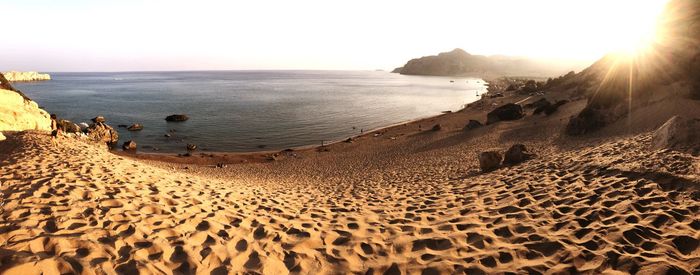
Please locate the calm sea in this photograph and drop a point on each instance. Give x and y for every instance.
(249, 110)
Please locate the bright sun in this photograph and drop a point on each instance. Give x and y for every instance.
(636, 31)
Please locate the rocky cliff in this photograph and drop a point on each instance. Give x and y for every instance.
(14, 76)
(19, 113)
(460, 63)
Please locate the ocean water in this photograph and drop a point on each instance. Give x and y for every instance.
(235, 111)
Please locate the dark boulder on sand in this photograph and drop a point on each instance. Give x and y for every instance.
(177, 118)
(191, 147)
(549, 108)
(489, 161)
(516, 154)
(539, 103)
(135, 127)
(129, 145)
(437, 127)
(589, 120)
(473, 124)
(510, 111)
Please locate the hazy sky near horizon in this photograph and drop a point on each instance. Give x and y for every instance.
(84, 35)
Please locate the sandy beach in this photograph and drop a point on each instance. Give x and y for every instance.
(401, 200)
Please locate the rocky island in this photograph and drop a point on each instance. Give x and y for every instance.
(15, 76)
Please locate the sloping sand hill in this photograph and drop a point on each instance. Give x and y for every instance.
(418, 206)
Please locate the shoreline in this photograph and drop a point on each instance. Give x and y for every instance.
(214, 158)
(156, 155)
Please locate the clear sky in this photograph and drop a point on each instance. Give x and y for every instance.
(122, 35)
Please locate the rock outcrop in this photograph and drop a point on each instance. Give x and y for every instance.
(100, 132)
(14, 76)
(18, 112)
(678, 133)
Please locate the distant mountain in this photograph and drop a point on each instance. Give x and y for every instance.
(460, 63)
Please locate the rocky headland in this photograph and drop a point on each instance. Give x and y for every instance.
(15, 76)
(460, 63)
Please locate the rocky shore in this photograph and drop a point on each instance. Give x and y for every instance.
(14, 76)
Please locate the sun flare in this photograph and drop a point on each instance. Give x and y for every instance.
(637, 30)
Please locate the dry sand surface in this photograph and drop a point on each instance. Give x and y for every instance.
(403, 202)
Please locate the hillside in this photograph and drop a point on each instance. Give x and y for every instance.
(619, 84)
(19, 113)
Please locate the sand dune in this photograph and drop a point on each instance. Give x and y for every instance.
(614, 208)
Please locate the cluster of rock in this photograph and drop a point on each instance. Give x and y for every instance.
(100, 132)
(15, 76)
(492, 160)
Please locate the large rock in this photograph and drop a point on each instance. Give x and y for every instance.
(549, 108)
(19, 113)
(538, 104)
(15, 76)
(489, 161)
(68, 127)
(678, 133)
(129, 145)
(510, 111)
(589, 120)
(102, 133)
(177, 118)
(98, 119)
(516, 154)
(473, 124)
